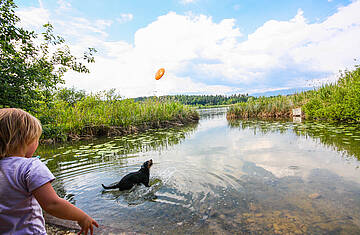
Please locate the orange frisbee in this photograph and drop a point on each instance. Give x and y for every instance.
(159, 73)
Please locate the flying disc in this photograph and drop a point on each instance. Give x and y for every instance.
(159, 73)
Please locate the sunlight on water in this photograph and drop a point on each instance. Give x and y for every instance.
(247, 176)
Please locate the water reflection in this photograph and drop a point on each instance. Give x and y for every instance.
(345, 138)
(211, 113)
(70, 163)
(79, 157)
(245, 177)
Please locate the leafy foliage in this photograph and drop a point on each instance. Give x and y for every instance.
(29, 70)
(70, 95)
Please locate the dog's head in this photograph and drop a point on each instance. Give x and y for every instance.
(147, 164)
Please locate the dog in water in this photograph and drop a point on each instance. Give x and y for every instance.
(139, 177)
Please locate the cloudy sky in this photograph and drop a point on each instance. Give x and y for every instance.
(205, 46)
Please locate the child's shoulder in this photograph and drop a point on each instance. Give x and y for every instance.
(25, 173)
(19, 162)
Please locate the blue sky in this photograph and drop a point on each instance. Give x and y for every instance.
(205, 46)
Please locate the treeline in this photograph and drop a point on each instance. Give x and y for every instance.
(339, 101)
(203, 100)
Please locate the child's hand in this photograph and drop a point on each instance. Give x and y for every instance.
(59, 207)
(87, 223)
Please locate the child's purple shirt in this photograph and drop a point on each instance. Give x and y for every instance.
(20, 212)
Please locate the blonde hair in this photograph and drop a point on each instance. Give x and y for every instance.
(17, 130)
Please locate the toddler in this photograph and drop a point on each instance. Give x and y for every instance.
(25, 182)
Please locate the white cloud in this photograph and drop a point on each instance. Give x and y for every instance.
(125, 18)
(103, 24)
(33, 17)
(203, 56)
(332, 44)
(79, 28)
(131, 68)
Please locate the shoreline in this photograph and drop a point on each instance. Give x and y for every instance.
(55, 229)
(56, 226)
(52, 229)
(92, 132)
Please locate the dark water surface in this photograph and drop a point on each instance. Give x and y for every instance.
(219, 177)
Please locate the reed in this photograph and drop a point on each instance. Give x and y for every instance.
(99, 114)
(266, 107)
(339, 101)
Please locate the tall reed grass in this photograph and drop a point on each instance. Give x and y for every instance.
(100, 114)
(339, 101)
(267, 107)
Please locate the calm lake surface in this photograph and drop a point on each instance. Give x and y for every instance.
(219, 177)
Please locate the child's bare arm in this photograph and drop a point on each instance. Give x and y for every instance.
(56, 206)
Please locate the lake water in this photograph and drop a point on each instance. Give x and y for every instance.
(219, 177)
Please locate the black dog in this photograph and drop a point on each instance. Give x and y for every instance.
(129, 180)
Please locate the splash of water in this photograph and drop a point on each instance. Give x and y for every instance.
(140, 194)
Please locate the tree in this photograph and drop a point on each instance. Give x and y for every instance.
(70, 95)
(29, 70)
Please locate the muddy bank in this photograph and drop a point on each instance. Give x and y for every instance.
(266, 115)
(91, 132)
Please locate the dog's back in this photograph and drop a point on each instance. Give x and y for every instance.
(131, 179)
(138, 177)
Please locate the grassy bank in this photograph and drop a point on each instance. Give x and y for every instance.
(269, 107)
(103, 114)
(339, 101)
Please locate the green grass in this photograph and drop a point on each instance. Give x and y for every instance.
(339, 101)
(99, 114)
(267, 107)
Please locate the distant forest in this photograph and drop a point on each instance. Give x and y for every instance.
(205, 100)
